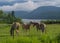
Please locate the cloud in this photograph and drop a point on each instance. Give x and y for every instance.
(11, 0)
(20, 6)
(6, 0)
(46, 3)
(30, 5)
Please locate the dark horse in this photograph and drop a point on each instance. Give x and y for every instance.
(26, 26)
(15, 26)
(40, 26)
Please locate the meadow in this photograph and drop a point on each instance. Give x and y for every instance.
(52, 35)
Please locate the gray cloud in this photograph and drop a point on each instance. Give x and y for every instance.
(20, 6)
(30, 5)
(6, 0)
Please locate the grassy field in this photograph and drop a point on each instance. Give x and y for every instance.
(52, 35)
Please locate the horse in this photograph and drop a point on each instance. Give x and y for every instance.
(43, 27)
(15, 26)
(26, 26)
(39, 26)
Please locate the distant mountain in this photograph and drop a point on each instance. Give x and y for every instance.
(45, 12)
(21, 14)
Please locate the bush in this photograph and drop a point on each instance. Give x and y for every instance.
(51, 22)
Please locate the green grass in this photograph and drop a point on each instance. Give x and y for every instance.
(52, 35)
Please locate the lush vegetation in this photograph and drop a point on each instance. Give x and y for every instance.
(52, 35)
(51, 21)
(8, 17)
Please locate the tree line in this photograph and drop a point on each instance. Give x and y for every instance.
(50, 21)
(8, 17)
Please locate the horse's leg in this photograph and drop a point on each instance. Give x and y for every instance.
(26, 29)
(17, 32)
(12, 32)
(29, 28)
(37, 28)
(43, 30)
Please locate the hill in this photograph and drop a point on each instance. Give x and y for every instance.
(45, 12)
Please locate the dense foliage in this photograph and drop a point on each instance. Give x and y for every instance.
(51, 21)
(8, 17)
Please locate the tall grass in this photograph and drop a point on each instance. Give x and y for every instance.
(52, 35)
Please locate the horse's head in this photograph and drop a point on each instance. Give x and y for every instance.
(34, 23)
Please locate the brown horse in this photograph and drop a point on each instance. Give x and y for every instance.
(26, 26)
(15, 26)
(40, 26)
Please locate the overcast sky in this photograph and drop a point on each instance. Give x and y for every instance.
(27, 5)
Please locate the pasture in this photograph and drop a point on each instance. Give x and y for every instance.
(32, 36)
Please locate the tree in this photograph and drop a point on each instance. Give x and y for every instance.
(8, 17)
(18, 20)
(1, 13)
(12, 14)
